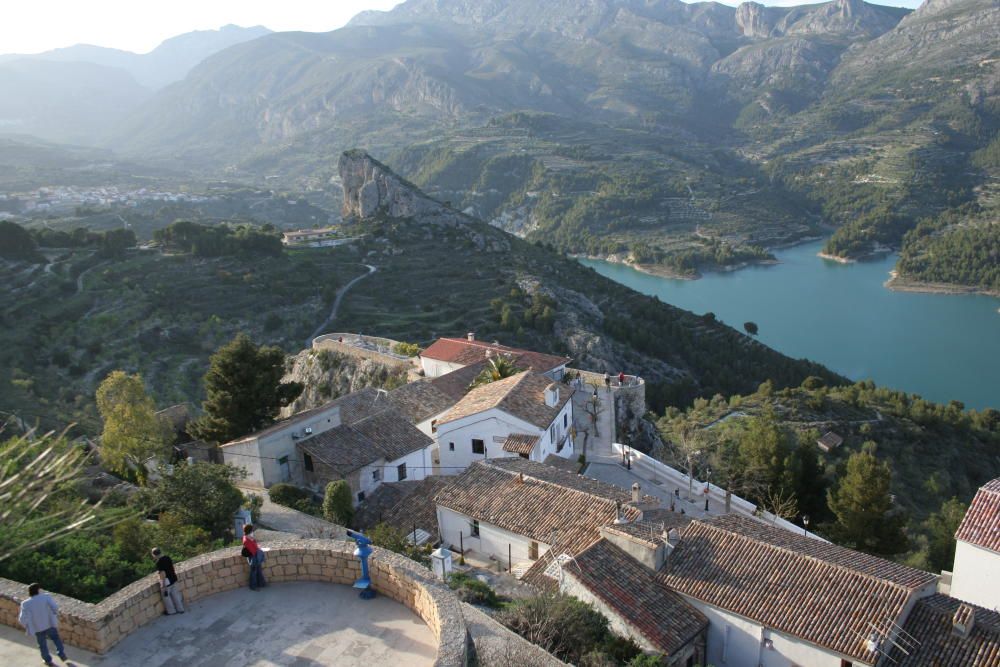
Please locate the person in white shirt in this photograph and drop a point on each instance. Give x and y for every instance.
(39, 616)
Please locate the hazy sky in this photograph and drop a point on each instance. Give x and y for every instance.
(32, 26)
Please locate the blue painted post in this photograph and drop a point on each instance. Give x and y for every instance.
(362, 552)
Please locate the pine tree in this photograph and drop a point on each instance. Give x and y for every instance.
(941, 528)
(863, 507)
(244, 391)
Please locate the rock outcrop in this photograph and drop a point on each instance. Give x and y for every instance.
(751, 20)
(371, 189)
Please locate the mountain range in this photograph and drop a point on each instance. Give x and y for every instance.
(75, 94)
(655, 130)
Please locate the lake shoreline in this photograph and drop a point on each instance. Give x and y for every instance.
(897, 284)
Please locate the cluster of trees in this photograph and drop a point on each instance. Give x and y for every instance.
(519, 310)
(898, 498)
(220, 240)
(54, 530)
(18, 243)
(943, 250)
(882, 225)
(715, 252)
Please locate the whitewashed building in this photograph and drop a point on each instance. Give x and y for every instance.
(777, 599)
(527, 414)
(449, 354)
(976, 573)
(381, 447)
(514, 511)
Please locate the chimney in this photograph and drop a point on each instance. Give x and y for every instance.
(636, 492)
(471, 336)
(552, 395)
(964, 619)
(520, 478)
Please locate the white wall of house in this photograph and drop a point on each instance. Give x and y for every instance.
(492, 540)
(976, 575)
(735, 641)
(570, 585)
(374, 474)
(435, 367)
(272, 458)
(554, 433)
(492, 427)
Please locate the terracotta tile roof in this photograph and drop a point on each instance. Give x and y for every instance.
(455, 384)
(830, 441)
(521, 395)
(353, 406)
(816, 591)
(931, 623)
(661, 616)
(463, 351)
(420, 400)
(520, 443)
(571, 466)
(651, 531)
(562, 477)
(494, 491)
(383, 435)
(981, 525)
(403, 505)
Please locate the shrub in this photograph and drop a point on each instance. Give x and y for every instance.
(406, 349)
(287, 494)
(472, 590)
(569, 629)
(338, 506)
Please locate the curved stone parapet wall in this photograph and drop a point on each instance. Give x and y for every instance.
(98, 627)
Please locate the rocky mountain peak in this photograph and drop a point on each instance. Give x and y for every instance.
(751, 20)
(372, 189)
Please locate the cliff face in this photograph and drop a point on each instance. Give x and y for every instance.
(372, 189)
(326, 375)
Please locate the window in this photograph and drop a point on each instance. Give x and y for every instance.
(401, 472)
(286, 471)
(451, 446)
(533, 551)
(565, 419)
(361, 496)
(552, 433)
(478, 447)
(846, 663)
(308, 462)
(377, 475)
(474, 530)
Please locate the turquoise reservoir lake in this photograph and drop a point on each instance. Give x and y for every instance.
(941, 346)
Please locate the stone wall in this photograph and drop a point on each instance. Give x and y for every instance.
(98, 627)
(349, 347)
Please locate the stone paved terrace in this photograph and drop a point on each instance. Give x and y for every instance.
(300, 624)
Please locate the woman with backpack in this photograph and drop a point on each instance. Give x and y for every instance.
(255, 558)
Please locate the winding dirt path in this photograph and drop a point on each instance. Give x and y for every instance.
(336, 303)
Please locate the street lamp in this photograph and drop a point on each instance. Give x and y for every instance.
(691, 456)
(708, 484)
(805, 524)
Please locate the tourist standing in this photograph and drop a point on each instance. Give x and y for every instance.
(621, 378)
(172, 600)
(255, 557)
(607, 381)
(39, 616)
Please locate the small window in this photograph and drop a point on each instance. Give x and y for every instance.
(361, 496)
(565, 419)
(846, 663)
(308, 462)
(533, 551)
(478, 447)
(377, 475)
(451, 446)
(474, 531)
(552, 433)
(401, 472)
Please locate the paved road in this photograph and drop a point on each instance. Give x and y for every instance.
(336, 303)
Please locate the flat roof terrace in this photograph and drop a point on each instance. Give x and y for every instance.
(304, 624)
